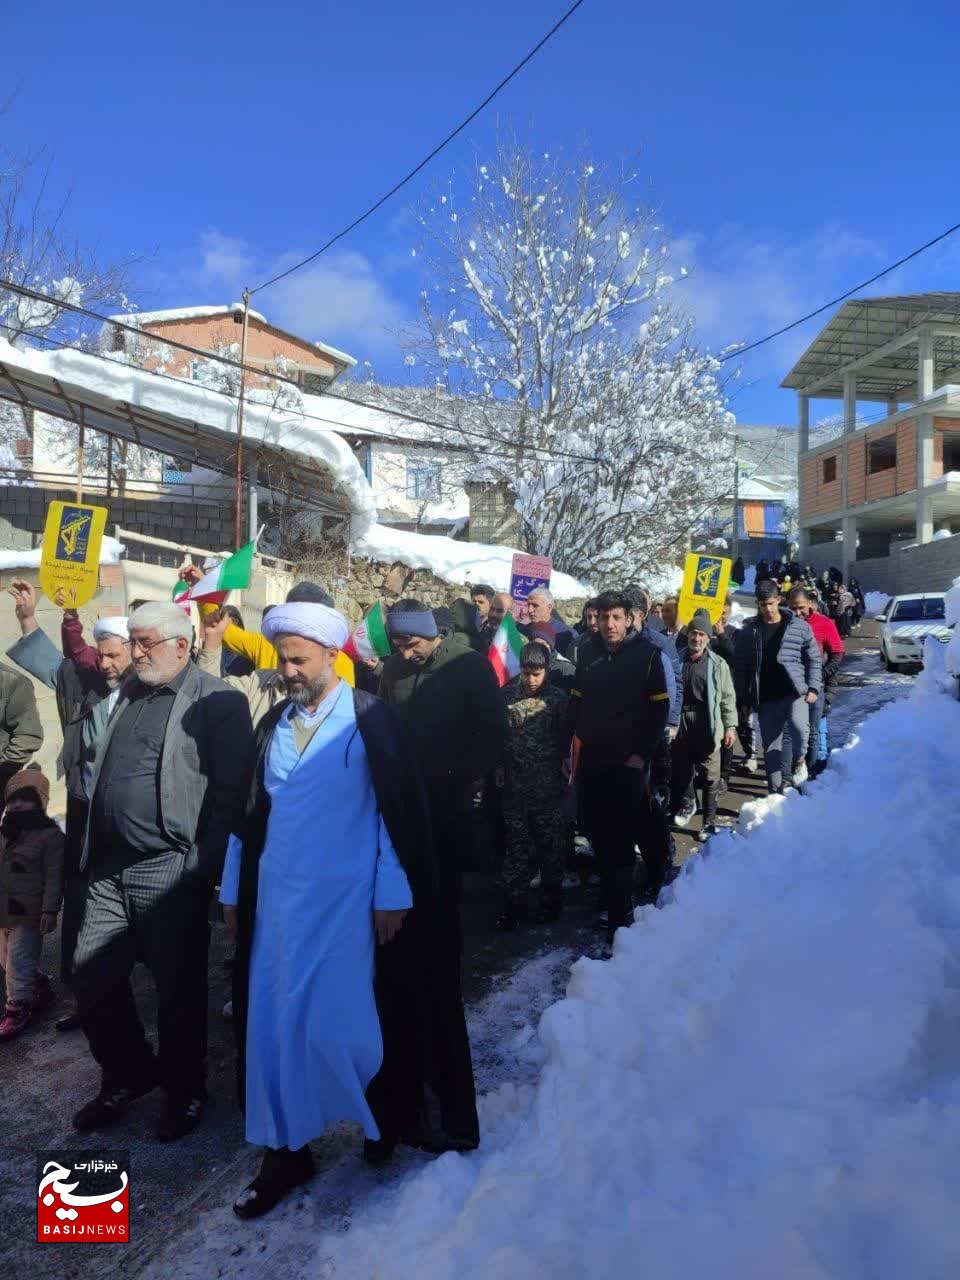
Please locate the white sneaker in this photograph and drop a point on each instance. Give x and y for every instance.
(750, 764)
(800, 774)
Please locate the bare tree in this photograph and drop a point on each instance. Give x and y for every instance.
(566, 375)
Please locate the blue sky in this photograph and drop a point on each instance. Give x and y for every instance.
(792, 149)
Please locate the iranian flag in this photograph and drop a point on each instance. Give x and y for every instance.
(232, 574)
(504, 653)
(370, 638)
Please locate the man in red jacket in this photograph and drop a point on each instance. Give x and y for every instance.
(825, 632)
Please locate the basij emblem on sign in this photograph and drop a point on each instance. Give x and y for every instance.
(70, 558)
(83, 1196)
(705, 583)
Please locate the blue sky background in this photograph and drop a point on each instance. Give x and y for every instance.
(792, 149)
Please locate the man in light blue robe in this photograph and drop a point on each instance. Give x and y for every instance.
(328, 887)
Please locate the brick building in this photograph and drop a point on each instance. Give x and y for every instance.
(895, 480)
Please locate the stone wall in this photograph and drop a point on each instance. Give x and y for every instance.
(366, 581)
(23, 511)
(930, 567)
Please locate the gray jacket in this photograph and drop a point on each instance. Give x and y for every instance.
(202, 767)
(799, 656)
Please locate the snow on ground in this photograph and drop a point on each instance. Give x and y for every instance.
(875, 602)
(765, 1080)
(952, 618)
(507, 1057)
(110, 552)
(868, 687)
(453, 561)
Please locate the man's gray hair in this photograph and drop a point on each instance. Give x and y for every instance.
(168, 620)
(541, 593)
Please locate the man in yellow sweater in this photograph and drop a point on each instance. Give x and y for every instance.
(256, 647)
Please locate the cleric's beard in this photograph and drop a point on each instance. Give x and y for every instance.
(314, 691)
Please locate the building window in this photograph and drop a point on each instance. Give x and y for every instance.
(830, 469)
(951, 451)
(881, 454)
(314, 384)
(423, 481)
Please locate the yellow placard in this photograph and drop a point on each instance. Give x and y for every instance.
(705, 583)
(70, 559)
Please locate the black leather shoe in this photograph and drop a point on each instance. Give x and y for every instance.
(70, 1023)
(280, 1172)
(180, 1117)
(377, 1151)
(109, 1106)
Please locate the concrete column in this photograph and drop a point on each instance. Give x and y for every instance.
(924, 518)
(925, 364)
(849, 544)
(849, 402)
(803, 422)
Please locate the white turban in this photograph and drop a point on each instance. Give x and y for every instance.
(104, 627)
(314, 622)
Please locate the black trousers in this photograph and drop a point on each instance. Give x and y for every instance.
(156, 910)
(426, 1049)
(622, 820)
(74, 883)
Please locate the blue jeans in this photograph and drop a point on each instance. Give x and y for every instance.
(784, 729)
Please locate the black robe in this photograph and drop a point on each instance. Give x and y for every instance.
(417, 1051)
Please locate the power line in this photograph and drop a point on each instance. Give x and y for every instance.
(227, 362)
(731, 355)
(505, 452)
(426, 160)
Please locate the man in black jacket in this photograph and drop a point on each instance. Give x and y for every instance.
(449, 704)
(619, 709)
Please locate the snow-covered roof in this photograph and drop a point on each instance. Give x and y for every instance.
(185, 419)
(459, 563)
(335, 354)
(171, 314)
(183, 313)
(352, 419)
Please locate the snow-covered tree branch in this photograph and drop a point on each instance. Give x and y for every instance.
(565, 371)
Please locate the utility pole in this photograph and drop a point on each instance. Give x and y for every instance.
(238, 529)
(80, 444)
(735, 540)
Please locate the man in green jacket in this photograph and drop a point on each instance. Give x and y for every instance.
(21, 734)
(708, 720)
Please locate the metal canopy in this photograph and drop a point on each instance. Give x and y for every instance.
(861, 328)
(193, 441)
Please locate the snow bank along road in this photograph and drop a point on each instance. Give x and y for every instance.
(763, 1082)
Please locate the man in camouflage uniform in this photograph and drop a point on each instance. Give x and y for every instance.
(537, 833)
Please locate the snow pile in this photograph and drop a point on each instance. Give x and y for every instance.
(765, 1081)
(110, 552)
(875, 602)
(662, 580)
(211, 414)
(459, 563)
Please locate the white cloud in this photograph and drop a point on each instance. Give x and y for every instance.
(343, 298)
(743, 286)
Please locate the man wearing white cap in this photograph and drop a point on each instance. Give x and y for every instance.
(331, 855)
(86, 695)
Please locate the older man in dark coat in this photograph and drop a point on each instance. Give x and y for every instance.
(449, 704)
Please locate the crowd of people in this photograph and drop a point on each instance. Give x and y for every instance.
(329, 807)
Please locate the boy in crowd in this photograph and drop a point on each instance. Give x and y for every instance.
(537, 833)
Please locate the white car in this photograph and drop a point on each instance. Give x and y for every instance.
(905, 624)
